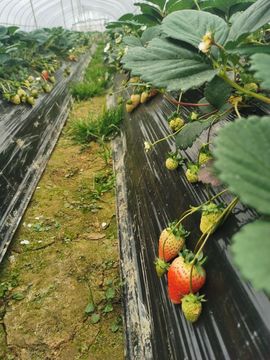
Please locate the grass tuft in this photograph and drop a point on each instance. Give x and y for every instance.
(105, 126)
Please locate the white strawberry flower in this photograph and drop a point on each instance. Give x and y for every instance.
(206, 43)
(107, 47)
(147, 146)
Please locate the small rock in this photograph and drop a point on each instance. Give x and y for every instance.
(25, 242)
(104, 225)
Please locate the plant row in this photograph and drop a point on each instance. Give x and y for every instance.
(222, 49)
(29, 60)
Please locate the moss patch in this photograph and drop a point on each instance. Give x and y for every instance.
(63, 261)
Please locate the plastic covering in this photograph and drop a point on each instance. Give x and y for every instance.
(27, 138)
(235, 323)
(72, 14)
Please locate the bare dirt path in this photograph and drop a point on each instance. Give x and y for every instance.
(59, 283)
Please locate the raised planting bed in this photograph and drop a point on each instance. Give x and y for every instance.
(28, 136)
(235, 322)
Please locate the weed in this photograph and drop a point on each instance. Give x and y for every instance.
(103, 127)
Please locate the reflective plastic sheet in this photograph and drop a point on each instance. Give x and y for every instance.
(27, 138)
(235, 323)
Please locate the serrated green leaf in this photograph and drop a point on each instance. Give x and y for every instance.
(242, 155)
(150, 33)
(252, 19)
(251, 251)
(169, 64)
(260, 65)
(175, 5)
(95, 318)
(223, 5)
(190, 133)
(148, 9)
(217, 92)
(191, 25)
(90, 308)
(132, 41)
(249, 49)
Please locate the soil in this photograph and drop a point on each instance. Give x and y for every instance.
(60, 292)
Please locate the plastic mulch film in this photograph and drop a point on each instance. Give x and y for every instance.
(27, 139)
(235, 323)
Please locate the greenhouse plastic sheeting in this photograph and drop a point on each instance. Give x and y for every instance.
(235, 323)
(27, 138)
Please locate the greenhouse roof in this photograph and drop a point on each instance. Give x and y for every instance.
(72, 14)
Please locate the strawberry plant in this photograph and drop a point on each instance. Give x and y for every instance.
(222, 49)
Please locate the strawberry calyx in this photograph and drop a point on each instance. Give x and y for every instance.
(177, 230)
(174, 155)
(161, 267)
(211, 208)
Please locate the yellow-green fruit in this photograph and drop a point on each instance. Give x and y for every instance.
(191, 176)
(136, 99)
(251, 87)
(171, 164)
(204, 157)
(52, 79)
(15, 99)
(34, 93)
(129, 106)
(191, 307)
(144, 97)
(30, 100)
(176, 124)
(31, 78)
(21, 92)
(209, 220)
(134, 80)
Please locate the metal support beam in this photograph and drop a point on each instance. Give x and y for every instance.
(34, 14)
(63, 13)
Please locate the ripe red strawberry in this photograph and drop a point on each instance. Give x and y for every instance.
(171, 241)
(45, 74)
(179, 277)
(192, 306)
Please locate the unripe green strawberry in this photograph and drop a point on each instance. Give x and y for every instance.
(47, 88)
(251, 87)
(34, 93)
(30, 100)
(144, 97)
(210, 217)
(134, 80)
(51, 79)
(136, 99)
(192, 173)
(161, 267)
(171, 164)
(15, 99)
(21, 92)
(192, 307)
(204, 157)
(174, 159)
(31, 78)
(176, 124)
(129, 106)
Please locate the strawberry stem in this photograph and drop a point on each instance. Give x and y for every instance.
(175, 102)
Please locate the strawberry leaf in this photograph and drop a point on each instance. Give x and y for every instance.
(190, 133)
(191, 25)
(251, 249)
(242, 155)
(217, 92)
(252, 19)
(169, 64)
(260, 64)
